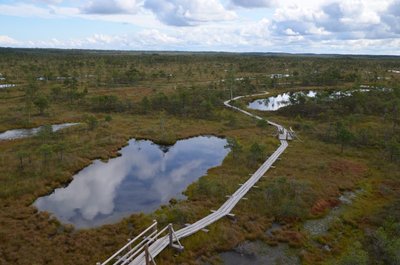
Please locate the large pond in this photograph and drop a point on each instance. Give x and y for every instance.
(144, 177)
(23, 133)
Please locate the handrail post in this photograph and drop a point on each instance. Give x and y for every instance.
(170, 233)
(155, 229)
(147, 254)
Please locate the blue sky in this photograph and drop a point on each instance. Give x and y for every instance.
(318, 26)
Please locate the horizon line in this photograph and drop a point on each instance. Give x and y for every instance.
(201, 51)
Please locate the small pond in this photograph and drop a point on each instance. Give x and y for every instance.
(7, 85)
(276, 102)
(259, 253)
(142, 178)
(282, 100)
(23, 133)
(321, 226)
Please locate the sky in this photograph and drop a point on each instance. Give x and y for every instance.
(293, 26)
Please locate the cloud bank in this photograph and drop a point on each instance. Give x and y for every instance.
(353, 26)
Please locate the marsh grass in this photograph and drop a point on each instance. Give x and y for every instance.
(314, 170)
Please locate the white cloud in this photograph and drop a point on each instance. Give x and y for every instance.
(392, 17)
(294, 21)
(7, 41)
(253, 3)
(143, 18)
(111, 7)
(348, 16)
(48, 1)
(211, 25)
(189, 12)
(154, 37)
(290, 32)
(24, 10)
(102, 39)
(345, 20)
(220, 39)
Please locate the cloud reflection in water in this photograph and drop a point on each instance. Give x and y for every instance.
(140, 180)
(276, 102)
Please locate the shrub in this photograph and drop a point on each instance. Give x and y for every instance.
(354, 256)
(91, 122)
(289, 197)
(386, 243)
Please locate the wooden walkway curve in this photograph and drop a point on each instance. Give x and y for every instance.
(152, 245)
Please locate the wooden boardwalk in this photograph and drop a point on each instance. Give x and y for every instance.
(156, 242)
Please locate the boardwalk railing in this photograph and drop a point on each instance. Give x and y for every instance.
(140, 245)
(145, 251)
(134, 245)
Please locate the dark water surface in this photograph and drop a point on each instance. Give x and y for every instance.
(144, 177)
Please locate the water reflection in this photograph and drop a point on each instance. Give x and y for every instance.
(7, 85)
(144, 177)
(277, 102)
(259, 253)
(23, 133)
(283, 100)
(316, 227)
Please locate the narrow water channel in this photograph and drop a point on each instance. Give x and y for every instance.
(7, 85)
(23, 133)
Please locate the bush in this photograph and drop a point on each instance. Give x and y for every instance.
(105, 103)
(46, 151)
(263, 124)
(256, 154)
(386, 243)
(45, 133)
(231, 120)
(41, 103)
(289, 197)
(92, 122)
(354, 256)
